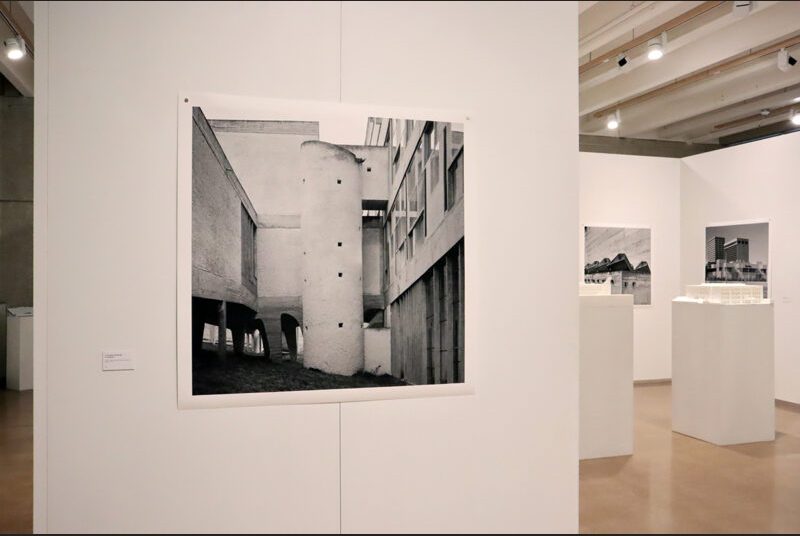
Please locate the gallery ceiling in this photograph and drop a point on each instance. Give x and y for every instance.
(16, 20)
(718, 82)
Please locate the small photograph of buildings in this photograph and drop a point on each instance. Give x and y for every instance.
(622, 256)
(326, 254)
(738, 253)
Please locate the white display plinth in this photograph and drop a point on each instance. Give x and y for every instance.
(606, 376)
(723, 379)
(19, 351)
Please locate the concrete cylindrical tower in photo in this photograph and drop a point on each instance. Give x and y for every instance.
(330, 224)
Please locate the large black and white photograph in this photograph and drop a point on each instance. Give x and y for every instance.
(738, 253)
(619, 257)
(326, 254)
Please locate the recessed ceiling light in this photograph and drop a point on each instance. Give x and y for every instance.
(795, 118)
(796, 99)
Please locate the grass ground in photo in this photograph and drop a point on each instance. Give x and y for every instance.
(212, 375)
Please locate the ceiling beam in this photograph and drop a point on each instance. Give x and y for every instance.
(19, 72)
(691, 33)
(767, 23)
(645, 37)
(774, 112)
(702, 75)
(703, 124)
(646, 14)
(6, 12)
(748, 82)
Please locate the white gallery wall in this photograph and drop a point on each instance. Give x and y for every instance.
(640, 191)
(755, 181)
(113, 452)
(678, 198)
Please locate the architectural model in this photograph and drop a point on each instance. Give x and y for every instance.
(726, 293)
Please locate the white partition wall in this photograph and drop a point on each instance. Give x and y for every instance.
(752, 182)
(679, 198)
(113, 452)
(640, 191)
(504, 459)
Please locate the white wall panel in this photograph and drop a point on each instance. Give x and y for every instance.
(504, 459)
(640, 191)
(755, 181)
(120, 456)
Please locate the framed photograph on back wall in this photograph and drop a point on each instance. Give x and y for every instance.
(738, 252)
(622, 256)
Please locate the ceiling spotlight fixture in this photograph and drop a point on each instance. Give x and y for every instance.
(795, 118)
(612, 122)
(785, 60)
(655, 47)
(15, 48)
(796, 99)
(741, 8)
(622, 61)
(765, 112)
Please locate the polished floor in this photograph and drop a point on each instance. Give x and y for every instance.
(16, 461)
(672, 483)
(676, 484)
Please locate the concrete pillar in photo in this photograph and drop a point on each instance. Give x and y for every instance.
(333, 309)
(273, 336)
(223, 328)
(238, 340)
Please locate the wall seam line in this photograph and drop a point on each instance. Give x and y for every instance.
(341, 3)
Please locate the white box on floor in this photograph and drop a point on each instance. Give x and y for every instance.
(723, 371)
(606, 376)
(19, 349)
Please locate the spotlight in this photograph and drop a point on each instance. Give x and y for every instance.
(622, 61)
(795, 118)
(655, 47)
(612, 122)
(741, 8)
(15, 47)
(785, 60)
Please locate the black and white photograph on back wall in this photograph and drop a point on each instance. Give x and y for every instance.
(738, 253)
(621, 257)
(327, 254)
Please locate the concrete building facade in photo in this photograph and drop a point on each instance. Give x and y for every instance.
(623, 277)
(737, 250)
(355, 250)
(715, 249)
(731, 262)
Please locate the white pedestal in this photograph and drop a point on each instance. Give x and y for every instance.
(723, 372)
(19, 353)
(606, 376)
